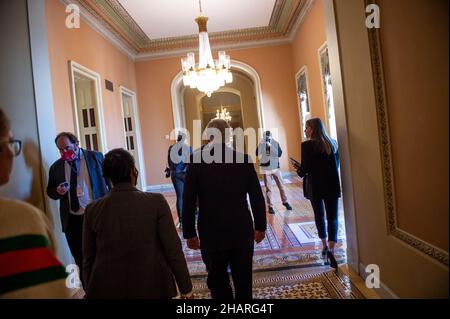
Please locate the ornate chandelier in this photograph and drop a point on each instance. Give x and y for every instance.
(223, 114)
(207, 75)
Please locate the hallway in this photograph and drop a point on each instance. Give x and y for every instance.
(288, 262)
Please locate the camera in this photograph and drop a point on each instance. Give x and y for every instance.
(167, 171)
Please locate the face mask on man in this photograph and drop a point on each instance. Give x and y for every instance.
(69, 155)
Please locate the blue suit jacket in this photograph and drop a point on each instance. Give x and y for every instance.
(94, 161)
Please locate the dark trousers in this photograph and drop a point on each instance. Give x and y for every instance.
(240, 261)
(331, 206)
(74, 235)
(178, 184)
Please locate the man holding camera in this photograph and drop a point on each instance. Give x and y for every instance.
(76, 179)
(269, 153)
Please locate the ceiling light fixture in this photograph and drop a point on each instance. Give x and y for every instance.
(208, 75)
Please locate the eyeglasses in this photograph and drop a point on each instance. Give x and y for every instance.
(15, 146)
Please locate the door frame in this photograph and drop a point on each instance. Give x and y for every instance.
(132, 95)
(78, 68)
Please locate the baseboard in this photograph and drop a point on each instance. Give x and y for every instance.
(159, 188)
(168, 187)
(384, 292)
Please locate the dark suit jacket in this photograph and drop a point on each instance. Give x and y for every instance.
(322, 171)
(224, 220)
(57, 176)
(131, 248)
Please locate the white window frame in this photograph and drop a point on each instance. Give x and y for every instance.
(78, 68)
(303, 69)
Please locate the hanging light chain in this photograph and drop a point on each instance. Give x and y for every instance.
(200, 6)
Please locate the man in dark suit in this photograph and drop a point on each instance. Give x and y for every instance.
(130, 245)
(221, 178)
(75, 180)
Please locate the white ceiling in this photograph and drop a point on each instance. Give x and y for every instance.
(173, 18)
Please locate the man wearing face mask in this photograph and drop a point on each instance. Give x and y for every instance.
(75, 180)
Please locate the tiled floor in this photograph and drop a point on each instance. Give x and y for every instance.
(288, 263)
(291, 236)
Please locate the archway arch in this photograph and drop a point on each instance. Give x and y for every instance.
(177, 92)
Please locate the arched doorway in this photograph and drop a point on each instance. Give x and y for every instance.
(177, 92)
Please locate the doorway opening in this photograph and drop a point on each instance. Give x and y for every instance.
(87, 108)
(131, 126)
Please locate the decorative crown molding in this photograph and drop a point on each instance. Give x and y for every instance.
(112, 21)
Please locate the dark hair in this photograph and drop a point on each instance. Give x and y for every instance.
(117, 166)
(72, 138)
(5, 125)
(324, 143)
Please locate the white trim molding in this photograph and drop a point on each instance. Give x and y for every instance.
(159, 188)
(93, 21)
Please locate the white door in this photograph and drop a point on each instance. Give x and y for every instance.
(131, 132)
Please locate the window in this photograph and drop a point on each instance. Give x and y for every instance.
(303, 99)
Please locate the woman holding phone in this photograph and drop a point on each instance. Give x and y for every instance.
(319, 166)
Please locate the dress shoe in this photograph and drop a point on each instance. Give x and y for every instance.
(271, 211)
(288, 207)
(332, 260)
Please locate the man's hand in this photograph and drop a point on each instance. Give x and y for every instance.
(193, 243)
(259, 236)
(62, 189)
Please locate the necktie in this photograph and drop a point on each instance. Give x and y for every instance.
(74, 203)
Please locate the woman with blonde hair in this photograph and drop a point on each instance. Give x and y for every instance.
(319, 170)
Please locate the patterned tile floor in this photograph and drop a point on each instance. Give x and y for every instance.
(288, 263)
(291, 237)
(309, 283)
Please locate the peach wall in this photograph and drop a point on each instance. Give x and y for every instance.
(417, 97)
(154, 80)
(309, 38)
(88, 48)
